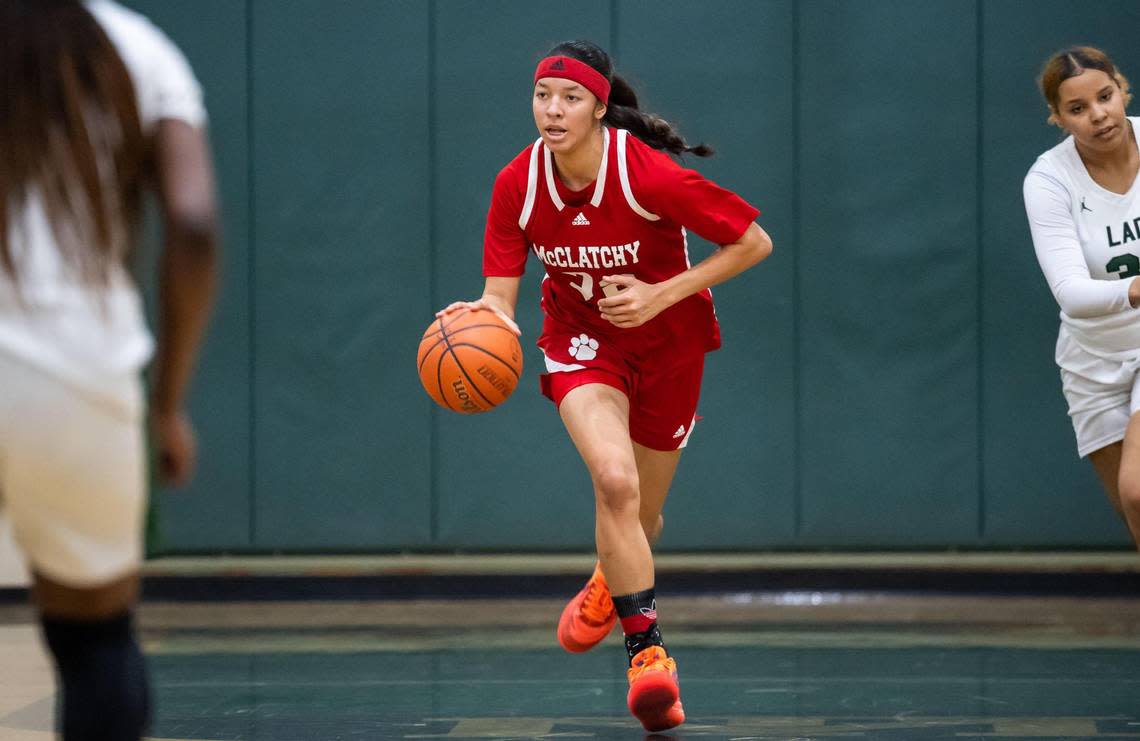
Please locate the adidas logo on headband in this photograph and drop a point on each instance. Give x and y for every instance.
(569, 68)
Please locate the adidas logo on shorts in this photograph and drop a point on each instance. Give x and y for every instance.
(680, 432)
(580, 220)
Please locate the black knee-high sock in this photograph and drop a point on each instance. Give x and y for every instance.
(102, 679)
(638, 615)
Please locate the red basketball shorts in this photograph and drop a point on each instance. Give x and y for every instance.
(663, 387)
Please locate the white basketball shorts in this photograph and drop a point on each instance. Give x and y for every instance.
(1102, 394)
(72, 474)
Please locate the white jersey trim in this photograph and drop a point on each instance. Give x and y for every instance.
(601, 185)
(531, 185)
(553, 366)
(600, 181)
(623, 176)
(685, 440)
(557, 199)
(689, 264)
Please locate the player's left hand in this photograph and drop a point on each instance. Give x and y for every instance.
(634, 304)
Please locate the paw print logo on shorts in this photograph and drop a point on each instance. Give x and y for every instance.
(583, 347)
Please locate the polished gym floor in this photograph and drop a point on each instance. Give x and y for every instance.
(765, 664)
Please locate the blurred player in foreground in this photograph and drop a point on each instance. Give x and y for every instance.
(97, 107)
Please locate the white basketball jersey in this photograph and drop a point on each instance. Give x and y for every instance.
(1068, 208)
(91, 336)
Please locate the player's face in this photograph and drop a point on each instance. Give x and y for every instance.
(1091, 108)
(564, 112)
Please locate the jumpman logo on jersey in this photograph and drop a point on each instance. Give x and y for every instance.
(580, 220)
(1084, 207)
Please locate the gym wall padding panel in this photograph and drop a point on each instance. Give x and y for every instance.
(510, 476)
(341, 177)
(886, 379)
(1036, 491)
(215, 512)
(736, 482)
(888, 273)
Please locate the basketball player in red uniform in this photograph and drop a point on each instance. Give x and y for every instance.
(627, 323)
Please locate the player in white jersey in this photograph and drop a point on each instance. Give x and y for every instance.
(1083, 202)
(98, 106)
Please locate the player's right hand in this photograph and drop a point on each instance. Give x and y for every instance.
(176, 447)
(482, 303)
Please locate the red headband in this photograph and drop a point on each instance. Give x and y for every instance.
(566, 68)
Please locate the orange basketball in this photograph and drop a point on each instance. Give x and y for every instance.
(469, 361)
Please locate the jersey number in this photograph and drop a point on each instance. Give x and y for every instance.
(586, 287)
(1126, 266)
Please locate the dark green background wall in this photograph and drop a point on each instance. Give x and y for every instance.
(887, 377)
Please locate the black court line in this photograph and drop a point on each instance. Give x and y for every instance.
(687, 582)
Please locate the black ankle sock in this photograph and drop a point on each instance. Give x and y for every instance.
(638, 615)
(102, 679)
(635, 643)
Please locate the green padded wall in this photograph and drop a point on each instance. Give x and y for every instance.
(887, 376)
(888, 272)
(215, 512)
(736, 484)
(340, 169)
(512, 475)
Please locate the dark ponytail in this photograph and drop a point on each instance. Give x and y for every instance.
(623, 110)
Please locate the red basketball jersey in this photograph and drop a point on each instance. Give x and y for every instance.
(630, 220)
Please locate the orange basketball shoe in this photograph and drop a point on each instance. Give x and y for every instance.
(654, 695)
(589, 617)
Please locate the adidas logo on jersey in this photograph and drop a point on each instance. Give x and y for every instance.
(680, 432)
(580, 220)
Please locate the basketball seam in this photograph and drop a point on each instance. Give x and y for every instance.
(470, 380)
(455, 316)
(462, 370)
(485, 351)
(439, 382)
(442, 334)
(427, 353)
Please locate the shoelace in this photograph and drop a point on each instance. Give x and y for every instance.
(651, 659)
(597, 605)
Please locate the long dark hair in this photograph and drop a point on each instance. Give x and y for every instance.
(69, 131)
(623, 111)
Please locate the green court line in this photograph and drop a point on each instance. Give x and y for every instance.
(285, 642)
